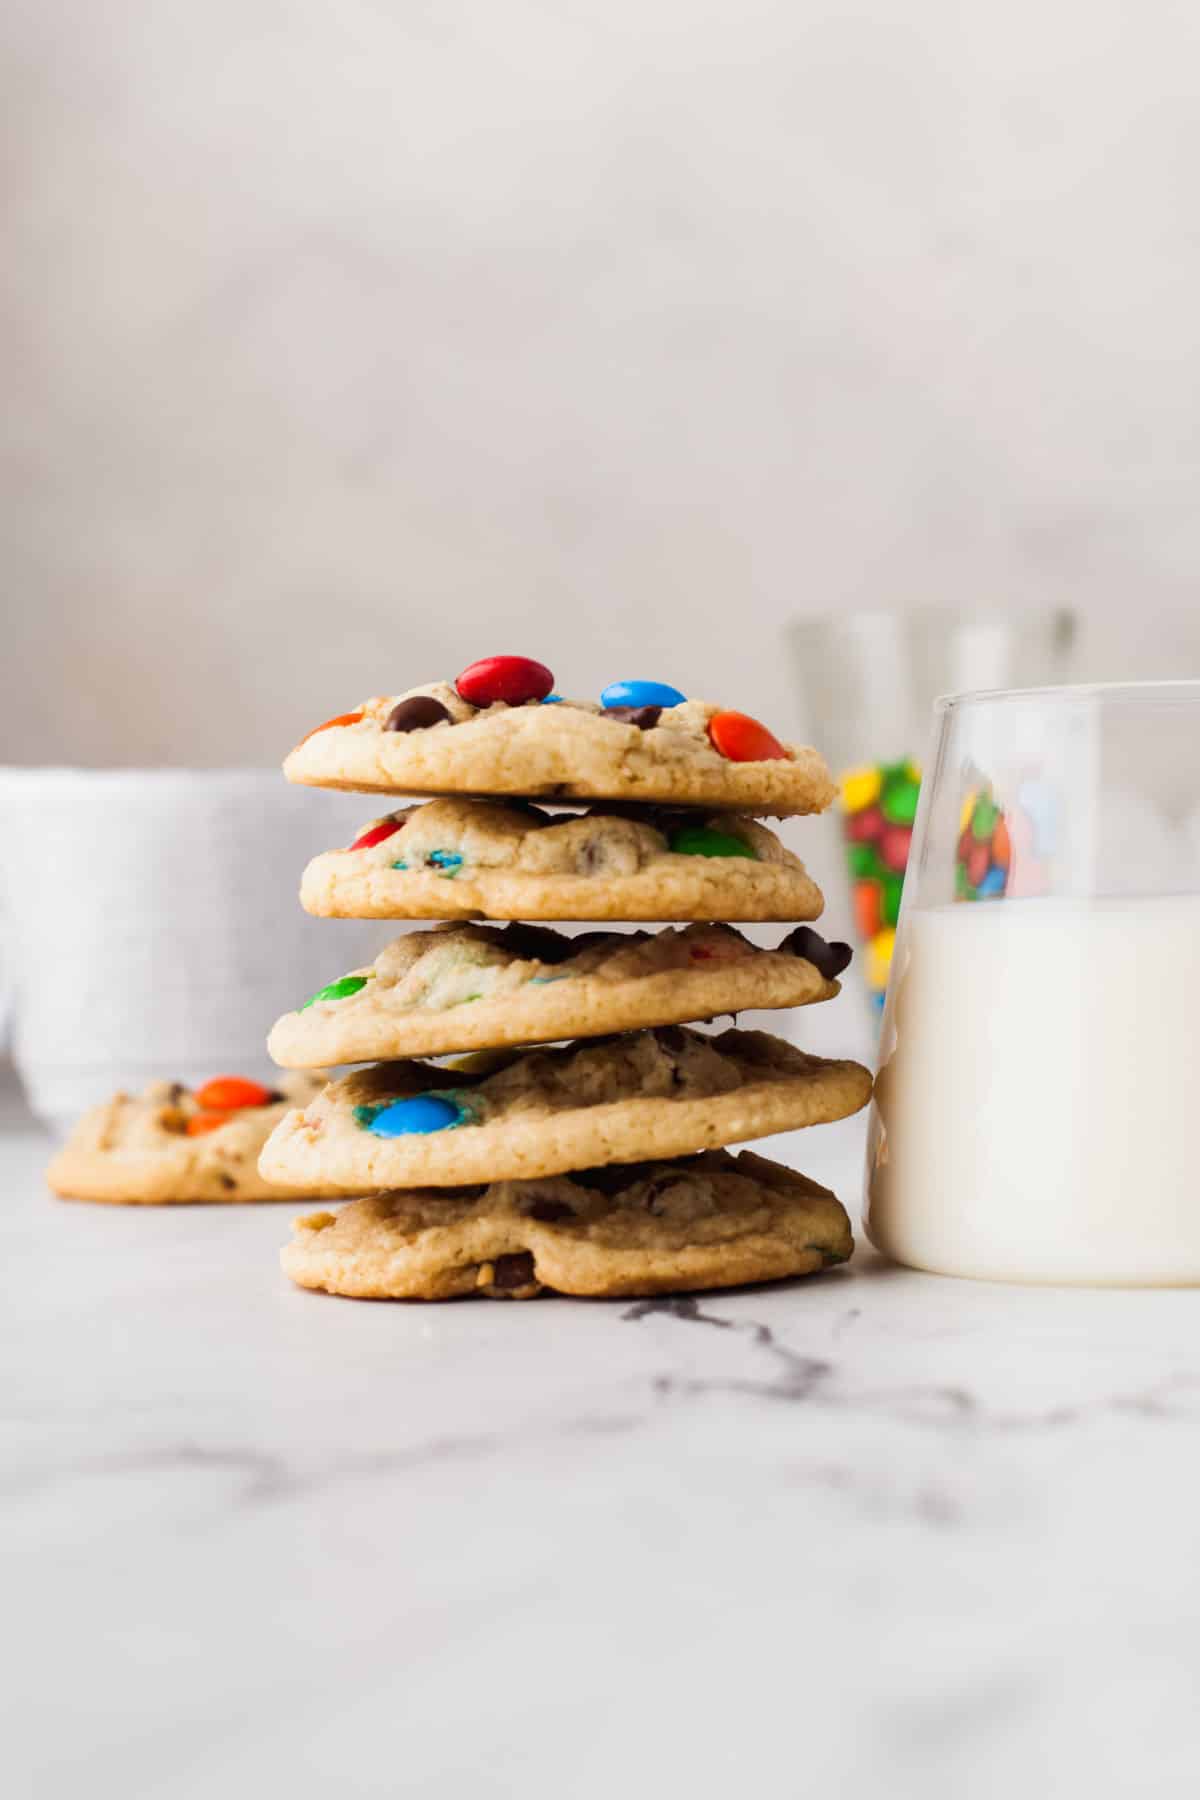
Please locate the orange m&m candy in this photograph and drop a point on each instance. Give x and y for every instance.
(868, 908)
(228, 1093)
(199, 1123)
(342, 719)
(740, 738)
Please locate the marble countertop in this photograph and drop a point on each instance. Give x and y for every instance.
(878, 1532)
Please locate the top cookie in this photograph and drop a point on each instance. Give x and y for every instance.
(434, 740)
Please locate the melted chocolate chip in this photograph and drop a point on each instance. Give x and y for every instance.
(471, 1191)
(671, 1038)
(532, 944)
(611, 1179)
(644, 717)
(828, 959)
(416, 713)
(514, 1271)
(550, 1212)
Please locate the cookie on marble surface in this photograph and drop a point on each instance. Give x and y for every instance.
(172, 1143)
(468, 987)
(430, 740)
(707, 1221)
(464, 859)
(521, 1115)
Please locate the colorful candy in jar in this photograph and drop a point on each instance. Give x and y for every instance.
(879, 804)
(984, 859)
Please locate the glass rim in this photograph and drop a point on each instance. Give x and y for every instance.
(1186, 688)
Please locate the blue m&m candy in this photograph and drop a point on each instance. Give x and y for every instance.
(641, 693)
(415, 1117)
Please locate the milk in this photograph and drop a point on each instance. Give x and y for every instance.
(1038, 1107)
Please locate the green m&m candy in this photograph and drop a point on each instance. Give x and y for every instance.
(983, 819)
(901, 791)
(702, 840)
(337, 990)
(889, 904)
(865, 863)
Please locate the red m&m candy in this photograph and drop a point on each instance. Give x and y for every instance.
(740, 738)
(227, 1093)
(894, 845)
(512, 679)
(865, 827)
(377, 833)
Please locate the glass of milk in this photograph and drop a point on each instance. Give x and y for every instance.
(1039, 1072)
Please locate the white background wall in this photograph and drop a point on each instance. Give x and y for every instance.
(343, 343)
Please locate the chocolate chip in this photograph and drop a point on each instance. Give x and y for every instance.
(534, 944)
(644, 717)
(514, 1271)
(828, 959)
(416, 713)
(611, 1179)
(671, 1038)
(472, 1190)
(227, 1182)
(550, 1212)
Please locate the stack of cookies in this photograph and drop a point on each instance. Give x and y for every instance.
(571, 1136)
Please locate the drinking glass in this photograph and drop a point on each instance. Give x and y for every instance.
(149, 926)
(1040, 1050)
(869, 681)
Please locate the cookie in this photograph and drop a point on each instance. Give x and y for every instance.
(468, 987)
(528, 1114)
(173, 1143)
(484, 859)
(430, 740)
(707, 1221)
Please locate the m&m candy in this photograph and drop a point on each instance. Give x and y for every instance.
(868, 909)
(350, 718)
(337, 990)
(894, 842)
(739, 738)
(227, 1093)
(377, 834)
(861, 788)
(702, 840)
(202, 1122)
(641, 693)
(511, 679)
(415, 1117)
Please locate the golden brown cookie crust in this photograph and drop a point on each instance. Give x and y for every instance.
(133, 1150)
(482, 859)
(468, 987)
(572, 750)
(709, 1221)
(644, 1095)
